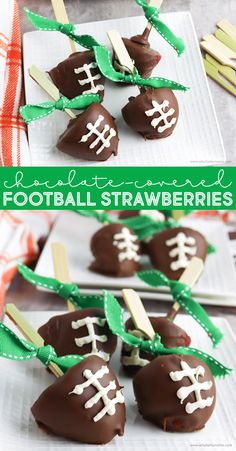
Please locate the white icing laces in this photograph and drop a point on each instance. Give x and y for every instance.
(164, 114)
(102, 392)
(184, 246)
(90, 78)
(92, 337)
(196, 387)
(125, 242)
(134, 357)
(100, 136)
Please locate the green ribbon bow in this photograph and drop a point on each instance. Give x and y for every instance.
(14, 348)
(114, 315)
(102, 55)
(182, 294)
(68, 291)
(143, 225)
(33, 112)
(152, 16)
(104, 63)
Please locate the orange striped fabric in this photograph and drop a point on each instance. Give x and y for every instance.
(20, 232)
(14, 149)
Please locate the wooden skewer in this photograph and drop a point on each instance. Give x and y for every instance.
(61, 16)
(228, 28)
(225, 39)
(61, 267)
(29, 333)
(189, 277)
(120, 50)
(221, 52)
(48, 86)
(157, 4)
(138, 313)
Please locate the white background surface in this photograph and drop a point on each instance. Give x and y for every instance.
(196, 139)
(22, 382)
(215, 286)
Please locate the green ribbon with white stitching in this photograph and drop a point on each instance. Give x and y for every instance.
(102, 55)
(68, 291)
(34, 112)
(114, 316)
(14, 348)
(182, 294)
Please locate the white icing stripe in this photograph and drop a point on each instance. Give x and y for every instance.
(102, 392)
(184, 246)
(100, 136)
(125, 242)
(90, 78)
(92, 337)
(196, 387)
(134, 357)
(164, 114)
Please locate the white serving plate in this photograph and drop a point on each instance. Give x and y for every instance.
(22, 383)
(217, 285)
(196, 140)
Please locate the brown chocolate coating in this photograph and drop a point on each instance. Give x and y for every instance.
(59, 333)
(159, 251)
(104, 247)
(172, 336)
(66, 80)
(145, 59)
(134, 113)
(156, 394)
(70, 141)
(63, 413)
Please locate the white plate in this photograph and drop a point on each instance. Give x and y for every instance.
(75, 232)
(22, 382)
(196, 139)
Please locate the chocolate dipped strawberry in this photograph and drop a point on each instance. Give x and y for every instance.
(78, 74)
(176, 392)
(81, 332)
(93, 135)
(171, 250)
(172, 336)
(153, 113)
(116, 250)
(86, 404)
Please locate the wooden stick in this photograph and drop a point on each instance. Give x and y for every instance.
(120, 50)
(61, 16)
(189, 277)
(61, 267)
(47, 85)
(228, 28)
(157, 4)
(29, 333)
(138, 313)
(221, 52)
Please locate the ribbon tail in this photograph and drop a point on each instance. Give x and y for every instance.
(153, 278)
(199, 314)
(83, 101)
(105, 66)
(114, 316)
(175, 42)
(66, 362)
(14, 348)
(211, 249)
(42, 23)
(217, 368)
(31, 113)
